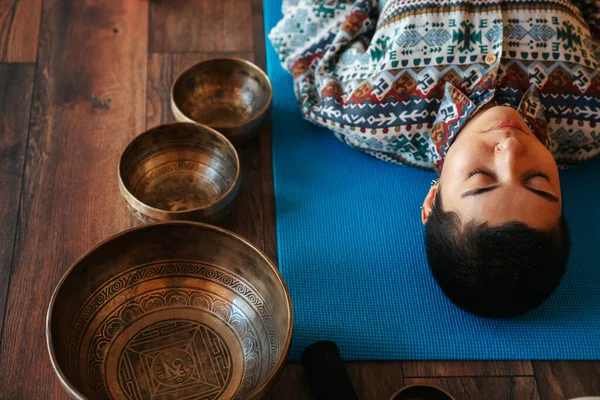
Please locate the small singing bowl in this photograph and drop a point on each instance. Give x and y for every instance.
(179, 171)
(230, 95)
(173, 310)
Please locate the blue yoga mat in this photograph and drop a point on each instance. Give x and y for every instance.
(351, 250)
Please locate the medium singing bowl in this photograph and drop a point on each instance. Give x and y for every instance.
(230, 95)
(174, 310)
(179, 171)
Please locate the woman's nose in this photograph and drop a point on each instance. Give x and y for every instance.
(511, 146)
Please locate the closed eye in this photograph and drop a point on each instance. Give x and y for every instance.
(533, 174)
(527, 176)
(481, 171)
(525, 179)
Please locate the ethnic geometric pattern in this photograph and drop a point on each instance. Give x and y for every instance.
(381, 82)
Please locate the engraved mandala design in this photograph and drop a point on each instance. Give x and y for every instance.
(180, 361)
(195, 362)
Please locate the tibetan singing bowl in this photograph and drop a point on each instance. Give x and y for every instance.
(229, 94)
(179, 171)
(174, 310)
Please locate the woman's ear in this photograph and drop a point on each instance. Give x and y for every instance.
(428, 203)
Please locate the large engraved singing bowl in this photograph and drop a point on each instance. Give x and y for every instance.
(179, 171)
(174, 310)
(229, 94)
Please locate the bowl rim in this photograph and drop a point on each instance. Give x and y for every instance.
(73, 392)
(252, 65)
(169, 212)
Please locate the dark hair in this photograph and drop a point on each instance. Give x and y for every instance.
(495, 272)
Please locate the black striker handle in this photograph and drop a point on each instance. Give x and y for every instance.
(326, 372)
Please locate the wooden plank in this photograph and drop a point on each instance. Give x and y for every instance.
(258, 33)
(246, 216)
(291, 384)
(376, 379)
(19, 30)
(16, 84)
(268, 194)
(466, 368)
(11, 170)
(497, 388)
(567, 379)
(201, 26)
(371, 380)
(88, 102)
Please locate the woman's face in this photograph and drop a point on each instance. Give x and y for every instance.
(497, 171)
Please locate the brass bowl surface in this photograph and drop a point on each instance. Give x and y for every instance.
(179, 171)
(229, 94)
(170, 310)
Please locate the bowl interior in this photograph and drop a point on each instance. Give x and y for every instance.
(170, 311)
(222, 93)
(179, 167)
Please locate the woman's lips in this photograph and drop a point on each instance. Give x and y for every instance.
(507, 123)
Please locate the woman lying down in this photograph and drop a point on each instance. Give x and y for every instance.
(494, 95)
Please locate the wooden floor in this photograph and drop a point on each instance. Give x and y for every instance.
(81, 78)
